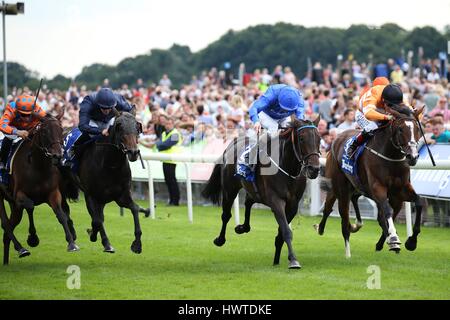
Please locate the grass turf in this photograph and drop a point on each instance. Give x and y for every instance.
(179, 260)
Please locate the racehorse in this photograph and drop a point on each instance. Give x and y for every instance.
(281, 190)
(35, 180)
(383, 175)
(104, 176)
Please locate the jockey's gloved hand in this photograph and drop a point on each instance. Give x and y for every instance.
(22, 133)
(257, 127)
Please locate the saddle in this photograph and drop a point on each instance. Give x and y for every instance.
(6, 174)
(350, 165)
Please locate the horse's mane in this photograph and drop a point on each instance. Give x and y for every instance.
(403, 109)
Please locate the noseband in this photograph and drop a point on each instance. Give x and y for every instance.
(410, 143)
(302, 159)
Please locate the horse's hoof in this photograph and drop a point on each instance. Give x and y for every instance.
(73, 247)
(379, 247)
(240, 229)
(411, 244)
(394, 247)
(109, 249)
(219, 242)
(24, 253)
(294, 265)
(33, 240)
(136, 247)
(92, 235)
(147, 213)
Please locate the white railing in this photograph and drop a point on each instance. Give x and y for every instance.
(187, 159)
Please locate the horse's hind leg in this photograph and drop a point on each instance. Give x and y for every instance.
(128, 202)
(359, 222)
(55, 202)
(328, 208)
(245, 228)
(66, 209)
(33, 239)
(344, 204)
(227, 203)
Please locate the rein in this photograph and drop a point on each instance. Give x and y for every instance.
(36, 132)
(300, 159)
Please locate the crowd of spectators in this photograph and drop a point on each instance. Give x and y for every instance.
(213, 106)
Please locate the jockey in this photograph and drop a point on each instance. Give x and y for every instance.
(19, 118)
(368, 118)
(270, 111)
(96, 116)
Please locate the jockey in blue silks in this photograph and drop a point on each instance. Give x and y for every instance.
(271, 111)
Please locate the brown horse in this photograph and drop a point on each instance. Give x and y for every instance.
(279, 183)
(35, 180)
(383, 175)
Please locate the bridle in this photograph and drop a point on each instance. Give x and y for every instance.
(396, 144)
(302, 159)
(36, 132)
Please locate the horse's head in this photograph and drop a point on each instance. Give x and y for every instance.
(125, 132)
(48, 137)
(405, 133)
(306, 143)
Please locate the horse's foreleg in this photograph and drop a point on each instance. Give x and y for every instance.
(128, 202)
(385, 218)
(96, 211)
(290, 214)
(8, 226)
(245, 228)
(278, 208)
(33, 239)
(55, 201)
(411, 242)
(344, 205)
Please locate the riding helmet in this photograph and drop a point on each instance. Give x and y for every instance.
(25, 104)
(392, 95)
(105, 98)
(289, 98)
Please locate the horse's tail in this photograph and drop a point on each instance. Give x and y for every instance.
(213, 188)
(69, 185)
(325, 179)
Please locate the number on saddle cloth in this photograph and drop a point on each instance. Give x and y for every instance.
(350, 165)
(69, 142)
(244, 167)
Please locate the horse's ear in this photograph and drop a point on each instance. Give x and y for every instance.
(133, 110)
(116, 113)
(419, 111)
(60, 115)
(316, 122)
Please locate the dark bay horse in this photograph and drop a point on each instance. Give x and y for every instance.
(35, 180)
(279, 183)
(104, 176)
(383, 176)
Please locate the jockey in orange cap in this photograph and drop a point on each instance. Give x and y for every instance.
(19, 117)
(368, 116)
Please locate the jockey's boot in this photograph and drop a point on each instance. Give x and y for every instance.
(360, 139)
